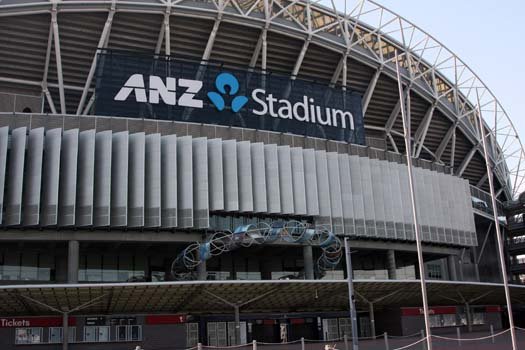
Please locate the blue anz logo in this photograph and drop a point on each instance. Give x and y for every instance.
(222, 81)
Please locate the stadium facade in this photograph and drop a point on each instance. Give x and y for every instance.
(175, 172)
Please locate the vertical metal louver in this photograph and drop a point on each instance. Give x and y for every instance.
(86, 179)
(298, 181)
(152, 181)
(184, 182)
(215, 178)
(310, 181)
(272, 179)
(15, 178)
(67, 193)
(201, 214)
(4, 141)
(51, 177)
(244, 175)
(102, 188)
(33, 178)
(346, 194)
(323, 188)
(285, 179)
(377, 197)
(119, 179)
(230, 175)
(334, 184)
(260, 203)
(386, 177)
(136, 182)
(169, 180)
(368, 197)
(357, 195)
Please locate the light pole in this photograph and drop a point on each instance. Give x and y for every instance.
(350, 279)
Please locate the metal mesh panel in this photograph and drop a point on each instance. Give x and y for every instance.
(169, 178)
(102, 193)
(51, 176)
(258, 177)
(323, 189)
(335, 193)
(119, 179)
(4, 138)
(33, 178)
(310, 181)
(346, 194)
(272, 179)
(229, 167)
(85, 183)
(69, 154)
(152, 181)
(244, 175)
(136, 181)
(299, 189)
(200, 185)
(285, 179)
(357, 195)
(215, 171)
(184, 182)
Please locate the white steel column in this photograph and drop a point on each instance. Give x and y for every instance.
(45, 90)
(60, 75)
(102, 44)
(406, 129)
(421, 132)
(370, 90)
(497, 226)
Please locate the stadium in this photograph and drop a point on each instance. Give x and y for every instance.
(183, 172)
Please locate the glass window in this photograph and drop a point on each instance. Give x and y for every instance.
(28, 335)
(129, 332)
(96, 333)
(55, 334)
(122, 333)
(135, 333)
(29, 268)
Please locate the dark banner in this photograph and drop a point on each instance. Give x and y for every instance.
(169, 88)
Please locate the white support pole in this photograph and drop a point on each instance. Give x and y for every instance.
(408, 143)
(60, 74)
(458, 335)
(385, 335)
(167, 42)
(370, 89)
(45, 90)
(421, 132)
(351, 299)
(497, 225)
(254, 344)
(102, 43)
(492, 333)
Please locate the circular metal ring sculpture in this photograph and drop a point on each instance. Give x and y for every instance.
(245, 236)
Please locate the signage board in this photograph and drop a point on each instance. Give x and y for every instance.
(169, 88)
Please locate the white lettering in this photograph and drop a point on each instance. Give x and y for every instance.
(187, 98)
(304, 107)
(259, 101)
(285, 109)
(166, 92)
(343, 115)
(134, 83)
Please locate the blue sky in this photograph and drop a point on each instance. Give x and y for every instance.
(488, 35)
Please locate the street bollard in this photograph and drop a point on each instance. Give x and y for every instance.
(386, 341)
(199, 346)
(458, 333)
(423, 343)
(254, 344)
(492, 333)
(345, 337)
(302, 343)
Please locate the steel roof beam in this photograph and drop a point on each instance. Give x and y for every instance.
(60, 74)
(465, 162)
(444, 142)
(422, 130)
(45, 90)
(367, 97)
(102, 44)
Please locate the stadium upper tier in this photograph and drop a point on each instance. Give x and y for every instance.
(49, 49)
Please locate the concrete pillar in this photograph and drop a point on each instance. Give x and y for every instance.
(72, 261)
(451, 263)
(202, 273)
(65, 331)
(372, 320)
(308, 258)
(237, 325)
(475, 263)
(391, 264)
(469, 317)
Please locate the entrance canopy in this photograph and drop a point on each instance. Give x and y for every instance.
(198, 297)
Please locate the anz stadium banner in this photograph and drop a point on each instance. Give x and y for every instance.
(172, 88)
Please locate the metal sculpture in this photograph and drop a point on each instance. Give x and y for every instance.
(183, 267)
